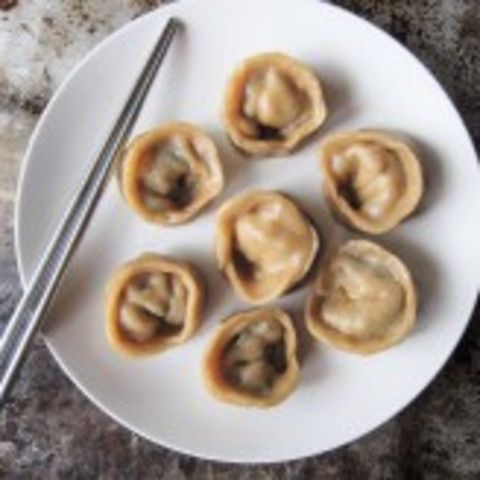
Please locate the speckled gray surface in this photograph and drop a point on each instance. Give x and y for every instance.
(49, 430)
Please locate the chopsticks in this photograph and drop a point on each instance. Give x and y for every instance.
(26, 319)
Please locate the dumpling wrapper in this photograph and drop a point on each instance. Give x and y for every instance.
(265, 244)
(272, 102)
(238, 359)
(152, 303)
(168, 174)
(373, 180)
(364, 299)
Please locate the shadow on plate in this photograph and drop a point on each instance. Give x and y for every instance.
(338, 98)
(312, 362)
(424, 270)
(433, 174)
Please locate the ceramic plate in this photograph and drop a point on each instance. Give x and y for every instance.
(370, 81)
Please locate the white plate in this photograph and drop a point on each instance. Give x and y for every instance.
(370, 81)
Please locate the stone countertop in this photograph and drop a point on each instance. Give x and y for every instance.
(49, 430)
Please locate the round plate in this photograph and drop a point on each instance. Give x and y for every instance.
(370, 81)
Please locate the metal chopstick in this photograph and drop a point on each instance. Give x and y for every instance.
(26, 319)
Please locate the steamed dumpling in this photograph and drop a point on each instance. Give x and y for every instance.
(272, 102)
(265, 244)
(251, 360)
(373, 180)
(170, 173)
(153, 302)
(363, 301)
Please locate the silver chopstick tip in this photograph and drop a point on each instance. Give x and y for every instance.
(175, 23)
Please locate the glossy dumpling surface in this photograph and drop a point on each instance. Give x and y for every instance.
(364, 299)
(272, 102)
(265, 244)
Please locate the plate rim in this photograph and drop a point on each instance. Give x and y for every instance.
(63, 86)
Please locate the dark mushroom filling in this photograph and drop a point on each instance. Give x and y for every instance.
(153, 304)
(255, 358)
(167, 181)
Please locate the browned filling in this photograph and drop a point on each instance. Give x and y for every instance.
(154, 304)
(267, 133)
(166, 181)
(255, 358)
(244, 267)
(350, 194)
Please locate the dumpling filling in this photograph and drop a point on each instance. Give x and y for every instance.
(154, 304)
(371, 178)
(273, 103)
(255, 358)
(167, 180)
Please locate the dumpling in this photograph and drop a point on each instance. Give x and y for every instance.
(252, 360)
(153, 302)
(272, 102)
(265, 245)
(363, 301)
(170, 173)
(372, 179)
